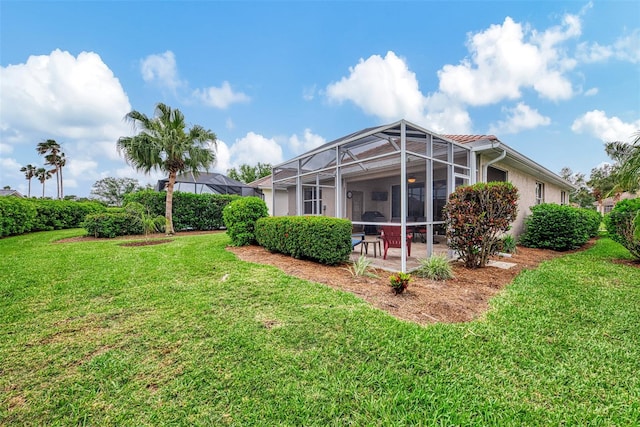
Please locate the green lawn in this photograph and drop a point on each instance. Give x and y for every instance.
(183, 333)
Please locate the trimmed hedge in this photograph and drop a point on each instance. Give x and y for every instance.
(240, 218)
(559, 227)
(113, 223)
(26, 215)
(323, 239)
(623, 225)
(190, 211)
(17, 216)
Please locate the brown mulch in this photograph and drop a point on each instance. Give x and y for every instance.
(461, 299)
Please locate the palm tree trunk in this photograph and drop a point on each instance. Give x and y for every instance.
(29, 191)
(168, 207)
(43, 189)
(61, 188)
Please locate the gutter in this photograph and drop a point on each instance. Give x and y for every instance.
(485, 167)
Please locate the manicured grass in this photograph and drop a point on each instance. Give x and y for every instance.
(185, 334)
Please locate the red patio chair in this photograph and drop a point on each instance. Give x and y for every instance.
(392, 238)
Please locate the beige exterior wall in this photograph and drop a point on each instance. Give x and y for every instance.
(281, 202)
(526, 185)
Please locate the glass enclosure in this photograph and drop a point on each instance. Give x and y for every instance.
(395, 175)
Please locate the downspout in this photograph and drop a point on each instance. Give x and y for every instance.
(485, 167)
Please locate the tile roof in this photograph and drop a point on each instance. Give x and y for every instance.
(464, 139)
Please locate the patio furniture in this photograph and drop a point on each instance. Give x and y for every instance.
(375, 242)
(392, 238)
(357, 239)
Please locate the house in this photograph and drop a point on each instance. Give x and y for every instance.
(401, 174)
(265, 186)
(606, 205)
(7, 191)
(209, 183)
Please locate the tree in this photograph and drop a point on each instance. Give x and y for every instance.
(54, 156)
(163, 143)
(29, 173)
(249, 173)
(581, 196)
(42, 174)
(112, 190)
(603, 182)
(627, 155)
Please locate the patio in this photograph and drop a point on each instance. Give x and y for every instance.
(418, 251)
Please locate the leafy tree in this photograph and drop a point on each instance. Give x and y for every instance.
(582, 196)
(112, 190)
(42, 174)
(627, 155)
(54, 156)
(29, 173)
(603, 182)
(163, 143)
(249, 173)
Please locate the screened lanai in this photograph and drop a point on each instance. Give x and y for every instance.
(394, 175)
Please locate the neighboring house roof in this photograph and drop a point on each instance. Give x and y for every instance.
(10, 192)
(264, 182)
(217, 182)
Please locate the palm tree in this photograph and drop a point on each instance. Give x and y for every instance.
(29, 172)
(628, 156)
(164, 144)
(42, 174)
(51, 150)
(58, 161)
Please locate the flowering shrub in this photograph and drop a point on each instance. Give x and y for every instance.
(399, 282)
(476, 216)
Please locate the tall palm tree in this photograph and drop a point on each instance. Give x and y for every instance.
(163, 143)
(42, 174)
(58, 161)
(29, 173)
(51, 150)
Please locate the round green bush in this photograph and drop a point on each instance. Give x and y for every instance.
(240, 218)
(557, 227)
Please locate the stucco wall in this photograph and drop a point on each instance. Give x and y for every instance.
(526, 185)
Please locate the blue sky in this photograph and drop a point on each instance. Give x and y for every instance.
(553, 80)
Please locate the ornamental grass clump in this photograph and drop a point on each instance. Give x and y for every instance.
(361, 267)
(399, 282)
(436, 267)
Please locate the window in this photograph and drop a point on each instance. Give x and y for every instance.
(608, 207)
(415, 200)
(495, 174)
(563, 197)
(539, 193)
(311, 201)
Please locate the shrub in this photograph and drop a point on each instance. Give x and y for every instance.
(240, 218)
(149, 222)
(113, 224)
(26, 215)
(436, 267)
(399, 282)
(593, 221)
(16, 216)
(623, 225)
(507, 244)
(476, 216)
(323, 239)
(361, 267)
(190, 211)
(557, 227)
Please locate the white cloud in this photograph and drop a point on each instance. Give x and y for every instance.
(597, 124)
(254, 148)
(388, 89)
(229, 123)
(521, 117)
(509, 57)
(383, 87)
(591, 92)
(5, 149)
(308, 142)
(220, 97)
(223, 157)
(73, 98)
(308, 93)
(161, 69)
(625, 48)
